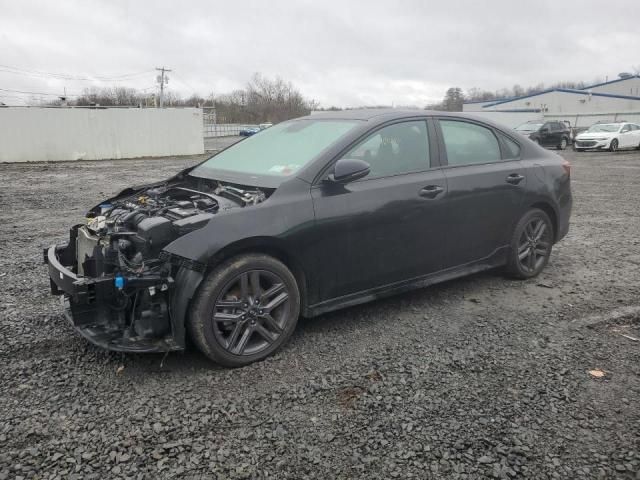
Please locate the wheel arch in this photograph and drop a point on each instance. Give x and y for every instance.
(271, 246)
(553, 215)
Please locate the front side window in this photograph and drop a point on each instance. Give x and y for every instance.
(396, 149)
(468, 143)
(277, 151)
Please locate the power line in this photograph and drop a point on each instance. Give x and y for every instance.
(13, 96)
(35, 93)
(63, 76)
(184, 83)
(87, 92)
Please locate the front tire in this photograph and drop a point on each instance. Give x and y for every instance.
(531, 245)
(613, 146)
(245, 310)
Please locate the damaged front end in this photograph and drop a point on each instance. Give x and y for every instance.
(120, 289)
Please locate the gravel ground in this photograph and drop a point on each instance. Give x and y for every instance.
(218, 143)
(475, 378)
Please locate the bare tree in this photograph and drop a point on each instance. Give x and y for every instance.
(263, 100)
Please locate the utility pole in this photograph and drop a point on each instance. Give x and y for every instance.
(162, 79)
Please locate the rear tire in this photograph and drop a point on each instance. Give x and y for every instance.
(245, 310)
(563, 144)
(531, 245)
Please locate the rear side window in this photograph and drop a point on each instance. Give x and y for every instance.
(468, 143)
(511, 150)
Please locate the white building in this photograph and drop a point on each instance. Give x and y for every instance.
(602, 100)
(623, 86)
(562, 100)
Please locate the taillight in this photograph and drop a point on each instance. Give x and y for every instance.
(567, 168)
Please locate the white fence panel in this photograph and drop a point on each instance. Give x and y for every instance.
(58, 134)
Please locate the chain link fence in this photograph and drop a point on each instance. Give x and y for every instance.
(211, 127)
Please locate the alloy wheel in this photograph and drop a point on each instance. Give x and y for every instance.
(251, 312)
(563, 144)
(614, 145)
(534, 245)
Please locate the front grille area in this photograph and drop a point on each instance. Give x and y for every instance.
(586, 143)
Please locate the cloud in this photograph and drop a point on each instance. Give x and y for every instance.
(338, 52)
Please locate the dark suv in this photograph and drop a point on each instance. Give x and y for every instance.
(548, 134)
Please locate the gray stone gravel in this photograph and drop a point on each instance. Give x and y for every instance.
(477, 378)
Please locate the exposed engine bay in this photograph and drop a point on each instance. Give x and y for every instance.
(116, 260)
(133, 229)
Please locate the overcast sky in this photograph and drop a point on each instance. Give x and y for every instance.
(345, 53)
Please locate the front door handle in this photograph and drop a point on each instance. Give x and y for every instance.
(431, 191)
(515, 178)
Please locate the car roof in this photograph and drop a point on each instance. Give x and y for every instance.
(386, 113)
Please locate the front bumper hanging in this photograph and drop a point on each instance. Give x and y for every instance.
(104, 314)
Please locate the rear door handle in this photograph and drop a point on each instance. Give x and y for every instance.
(431, 191)
(515, 178)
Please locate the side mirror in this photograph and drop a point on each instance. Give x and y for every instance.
(348, 170)
(544, 130)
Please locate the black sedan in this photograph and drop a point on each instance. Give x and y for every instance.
(312, 215)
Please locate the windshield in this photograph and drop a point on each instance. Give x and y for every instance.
(278, 151)
(529, 127)
(604, 127)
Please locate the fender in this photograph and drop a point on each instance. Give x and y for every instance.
(187, 283)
